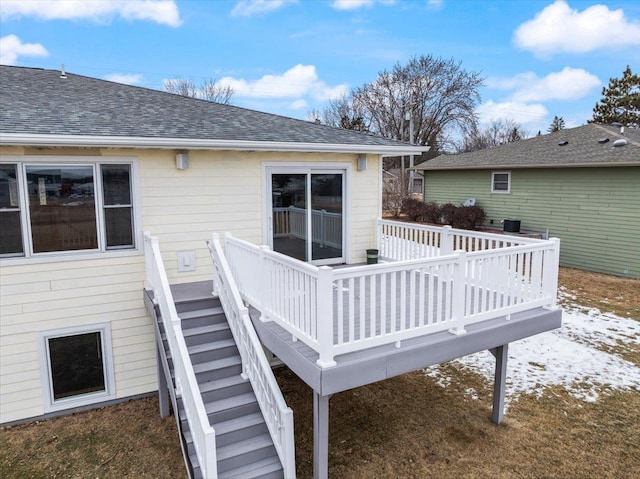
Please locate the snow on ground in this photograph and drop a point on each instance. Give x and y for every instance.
(573, 356)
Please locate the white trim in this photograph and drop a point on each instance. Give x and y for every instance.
(24, 161)
(51, 405)
(28, 139)
(501, 192)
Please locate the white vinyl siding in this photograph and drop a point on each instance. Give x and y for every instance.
(220, 191)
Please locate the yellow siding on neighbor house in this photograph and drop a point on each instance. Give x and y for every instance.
(220, 191)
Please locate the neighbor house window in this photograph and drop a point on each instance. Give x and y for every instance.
(47, 208)
(76, 366)
(501, 182)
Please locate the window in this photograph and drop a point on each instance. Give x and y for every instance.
(46, 208)
(76, 366)
(501, 182)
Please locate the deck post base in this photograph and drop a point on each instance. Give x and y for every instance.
(501, 354)
(320, 436)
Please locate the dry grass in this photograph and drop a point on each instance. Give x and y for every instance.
(612, 294)
(405, 427)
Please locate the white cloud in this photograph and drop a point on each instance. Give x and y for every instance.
(248, 8)
(297, 82)
(126, 78)
(356, 4)
(160, 11)
(568, 84)
(11, 47)
(434, 4)
(523, 113)
(298, 105)
(561, 29)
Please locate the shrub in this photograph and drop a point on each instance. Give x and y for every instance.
(414, 209)
(432, 213)
(446, 212)
(468, 217)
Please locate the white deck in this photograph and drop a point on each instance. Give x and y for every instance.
(427, 287)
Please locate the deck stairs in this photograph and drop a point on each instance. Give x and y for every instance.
(244, 446)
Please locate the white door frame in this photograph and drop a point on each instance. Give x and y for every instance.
(269, 168)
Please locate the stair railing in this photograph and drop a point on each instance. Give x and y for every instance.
(204, 436)
(255, 366)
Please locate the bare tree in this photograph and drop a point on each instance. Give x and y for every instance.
(345, 113)
(436, 96)
(498, 132)
(210, 90)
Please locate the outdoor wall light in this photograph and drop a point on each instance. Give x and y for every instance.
(182, 161)
(362, 163)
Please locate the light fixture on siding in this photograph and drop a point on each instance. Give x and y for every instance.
(182, 161)
(362, 163)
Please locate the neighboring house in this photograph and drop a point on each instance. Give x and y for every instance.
(576, 183)
(94, 310)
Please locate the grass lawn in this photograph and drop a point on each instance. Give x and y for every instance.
(408, 426)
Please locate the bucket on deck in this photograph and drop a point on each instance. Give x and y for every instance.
(372, 256)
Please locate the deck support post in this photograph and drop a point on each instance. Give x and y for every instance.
(501, 354)
(163, 388)
(320, 436)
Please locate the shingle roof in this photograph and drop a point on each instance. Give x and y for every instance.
(39, 102)
(583, 148)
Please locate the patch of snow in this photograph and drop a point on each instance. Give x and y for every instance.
(573, 357)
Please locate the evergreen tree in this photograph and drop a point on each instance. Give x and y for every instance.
(620, 101)
(556, 125)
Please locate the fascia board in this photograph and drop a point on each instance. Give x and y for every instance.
(27, 139)
(527, 167)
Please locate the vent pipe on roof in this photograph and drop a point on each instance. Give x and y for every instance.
(63, 74)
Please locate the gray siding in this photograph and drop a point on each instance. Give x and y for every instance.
(594, 211)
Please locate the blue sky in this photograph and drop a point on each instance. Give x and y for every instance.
(539, 58)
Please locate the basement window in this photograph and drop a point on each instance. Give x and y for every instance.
(76, 367)
(501, 182)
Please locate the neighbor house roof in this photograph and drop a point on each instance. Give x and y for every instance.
(588, 145)
(45, 108)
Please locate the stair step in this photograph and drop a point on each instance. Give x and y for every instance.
(240, 428)
(207, 333)
(214, 350)
(269, 467)
(244, 452)
(231, 407)
(201, 312)
(224, 387)
(217, 369)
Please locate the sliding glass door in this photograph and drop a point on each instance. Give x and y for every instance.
(307, 214)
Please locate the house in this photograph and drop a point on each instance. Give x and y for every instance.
(109, 195)
(581, 185)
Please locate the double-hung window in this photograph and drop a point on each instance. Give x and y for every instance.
(65, 207)
(501, 182)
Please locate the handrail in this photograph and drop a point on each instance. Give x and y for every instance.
(398, 240)
(336, 311)
(204, 436)
(255, 367)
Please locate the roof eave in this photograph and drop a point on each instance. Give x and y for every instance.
(515, 167)
(29, 139)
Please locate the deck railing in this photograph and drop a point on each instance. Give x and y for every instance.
(255, 367)
(335, 311)
(204, 436)
(291, 222)
(399, 241)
